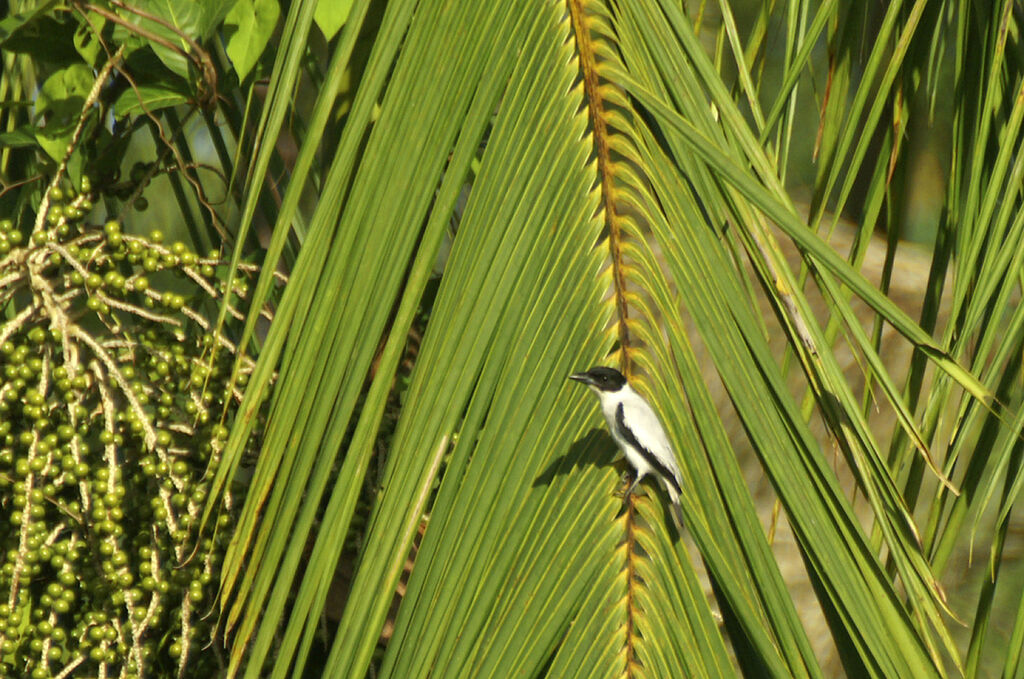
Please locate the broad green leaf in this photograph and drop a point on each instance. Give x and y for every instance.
(22, 137)
(28, 21)
(63, 94)
(40, 36)
(60, 102)
(196, 20)
(149, 98)
(87, 41)
(178, 24)
(331, 16)
(249, 26)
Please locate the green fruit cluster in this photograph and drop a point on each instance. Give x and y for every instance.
(114, 395)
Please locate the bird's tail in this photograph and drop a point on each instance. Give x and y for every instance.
(676, 508)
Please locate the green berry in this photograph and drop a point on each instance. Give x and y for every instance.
(114, 279)
(37, 335)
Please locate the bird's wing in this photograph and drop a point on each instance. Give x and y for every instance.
(648, 433)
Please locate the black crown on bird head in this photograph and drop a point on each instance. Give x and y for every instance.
(601, 378)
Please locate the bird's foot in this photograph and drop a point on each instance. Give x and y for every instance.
(623, 485)
(625, 492)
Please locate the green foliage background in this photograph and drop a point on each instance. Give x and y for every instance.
(472, 200)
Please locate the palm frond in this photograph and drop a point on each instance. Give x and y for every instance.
(623, 201)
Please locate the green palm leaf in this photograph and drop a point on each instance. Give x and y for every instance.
(613, 186)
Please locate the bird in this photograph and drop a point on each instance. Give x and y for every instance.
(637, 431)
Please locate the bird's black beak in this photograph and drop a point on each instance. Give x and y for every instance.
(581, 377)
